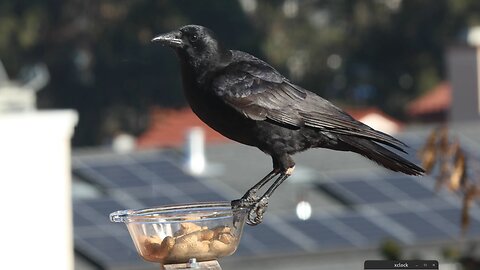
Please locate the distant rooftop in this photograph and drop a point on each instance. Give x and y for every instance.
(168, 127)
(436, 101)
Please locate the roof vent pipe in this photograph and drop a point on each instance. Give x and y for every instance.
(195, 151)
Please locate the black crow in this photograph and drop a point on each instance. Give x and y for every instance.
(248, 101)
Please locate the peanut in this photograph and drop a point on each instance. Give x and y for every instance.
(186, 228)
(221, 229)
(167, 244)
(200, 248)
(196, 236)
(156, 250)
(182, 251)
(206, 234)
(178, 252)
(220, 248)
(226, 238)
(190, 240)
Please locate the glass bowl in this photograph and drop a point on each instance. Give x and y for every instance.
(176, 233)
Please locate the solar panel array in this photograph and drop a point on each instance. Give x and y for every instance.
(128, 181)
(387, 206)
(397, 207)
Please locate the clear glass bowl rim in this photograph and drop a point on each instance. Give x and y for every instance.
(171, 213)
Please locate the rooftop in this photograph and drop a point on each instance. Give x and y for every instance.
(169, 126)
(438, 99)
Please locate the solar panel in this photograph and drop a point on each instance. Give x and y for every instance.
(321, 234)
(438, 202)
(357, 192)
(422, 229)
(338, 193)
(156, 201)
(104, 206)
(205, 197)
(80, 220)
(114, 176)
(243, 249)
(365, 191)
(454, 217)
(153, 179)
(94, 211)
(108, 250)
(121, 176)
(392, 190)
(250, 245)
(374, 233)
(91, 176)
(411, 187)
(272, 239)
(193, 187)
(167, 170)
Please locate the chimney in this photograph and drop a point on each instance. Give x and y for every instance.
(464, 73)
(195, 151)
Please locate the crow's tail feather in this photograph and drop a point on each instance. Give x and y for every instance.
(381, 155)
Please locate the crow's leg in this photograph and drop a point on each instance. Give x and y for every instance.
(250, 198)
(255, 215)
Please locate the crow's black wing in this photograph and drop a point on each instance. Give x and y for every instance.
(259, 92)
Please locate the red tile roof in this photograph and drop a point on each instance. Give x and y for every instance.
(436, 100)
(168, 127)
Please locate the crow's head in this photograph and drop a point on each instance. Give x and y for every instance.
(195, 44)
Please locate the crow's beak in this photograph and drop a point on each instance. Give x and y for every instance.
(169, 39)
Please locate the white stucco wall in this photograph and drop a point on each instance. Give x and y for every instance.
(35, 190)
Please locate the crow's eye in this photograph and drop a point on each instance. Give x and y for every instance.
(193, 38)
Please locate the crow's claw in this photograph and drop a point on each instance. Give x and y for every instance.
(245, 202)
(255, 215)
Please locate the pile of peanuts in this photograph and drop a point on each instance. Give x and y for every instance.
(191, 241)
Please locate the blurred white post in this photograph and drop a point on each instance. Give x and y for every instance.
(35, 193)
(195, 151)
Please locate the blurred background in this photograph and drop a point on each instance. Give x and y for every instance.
(86, 70)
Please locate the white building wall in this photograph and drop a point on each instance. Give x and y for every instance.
(35, 190)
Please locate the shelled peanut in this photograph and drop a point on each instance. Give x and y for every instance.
(190, 241)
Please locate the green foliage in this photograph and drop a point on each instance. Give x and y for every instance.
(451, 254)
(379, 44)
(391, 250)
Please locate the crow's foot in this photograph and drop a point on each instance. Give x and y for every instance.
(255, 215)
(247, 201)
